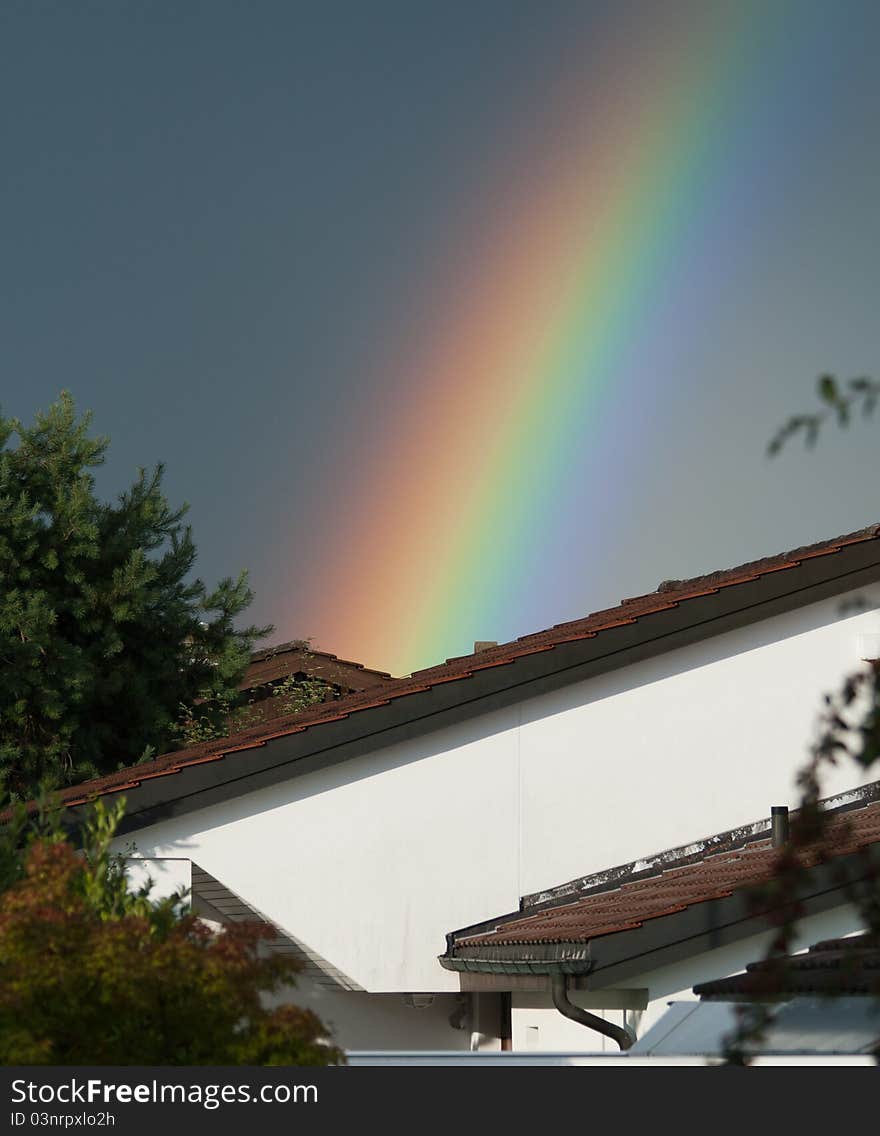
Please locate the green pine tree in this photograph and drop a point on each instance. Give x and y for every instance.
(104, 634)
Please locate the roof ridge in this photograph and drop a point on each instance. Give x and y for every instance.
(869, 532)
(745, 838)
(669, 592)
(305, 646)
(466, 666)
(632, 903)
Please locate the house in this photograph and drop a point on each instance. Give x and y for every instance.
(331, 678)
(609, 951)
(818, 1006)
(367, 828)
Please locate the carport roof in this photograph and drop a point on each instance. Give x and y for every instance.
(715, 890)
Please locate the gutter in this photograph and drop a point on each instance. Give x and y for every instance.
(558, 970)
(514, 966)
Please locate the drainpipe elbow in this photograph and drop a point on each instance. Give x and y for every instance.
(559, 988)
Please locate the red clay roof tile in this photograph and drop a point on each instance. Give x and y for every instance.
(669, 595)
(833, 967)
(632, 904)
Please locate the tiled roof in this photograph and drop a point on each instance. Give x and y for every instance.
(270, 667)
(834, 967)
(670, 595)
(673, 889)
(298, 657)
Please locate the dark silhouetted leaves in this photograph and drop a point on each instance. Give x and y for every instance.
(841, 400)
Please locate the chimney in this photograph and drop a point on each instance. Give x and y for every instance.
(779, 825)
(484, 645)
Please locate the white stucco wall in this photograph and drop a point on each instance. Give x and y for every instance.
(369, 863)
(359, 1020)
(692, 743)
(167, 875)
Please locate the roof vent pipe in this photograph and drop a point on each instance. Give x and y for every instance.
(779, 825)
(559, 987)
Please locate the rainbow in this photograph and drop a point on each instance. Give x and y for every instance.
(508, 413)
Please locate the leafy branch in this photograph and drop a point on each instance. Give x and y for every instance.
(217, 715)
(840, 400)
(848, 729)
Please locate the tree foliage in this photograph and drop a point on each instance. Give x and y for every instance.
(216, 715)
(847, 730)
(838, 401)
(95, 974)
(104, 632)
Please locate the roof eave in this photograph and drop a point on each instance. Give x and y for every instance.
(197, 784)
(563, 958)
(667, 939)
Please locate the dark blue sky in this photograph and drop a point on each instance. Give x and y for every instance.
(214, 214)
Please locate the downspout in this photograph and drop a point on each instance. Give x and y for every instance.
(559, 988)
(505, 1029)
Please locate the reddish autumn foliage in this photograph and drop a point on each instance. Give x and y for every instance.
(148, 987)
